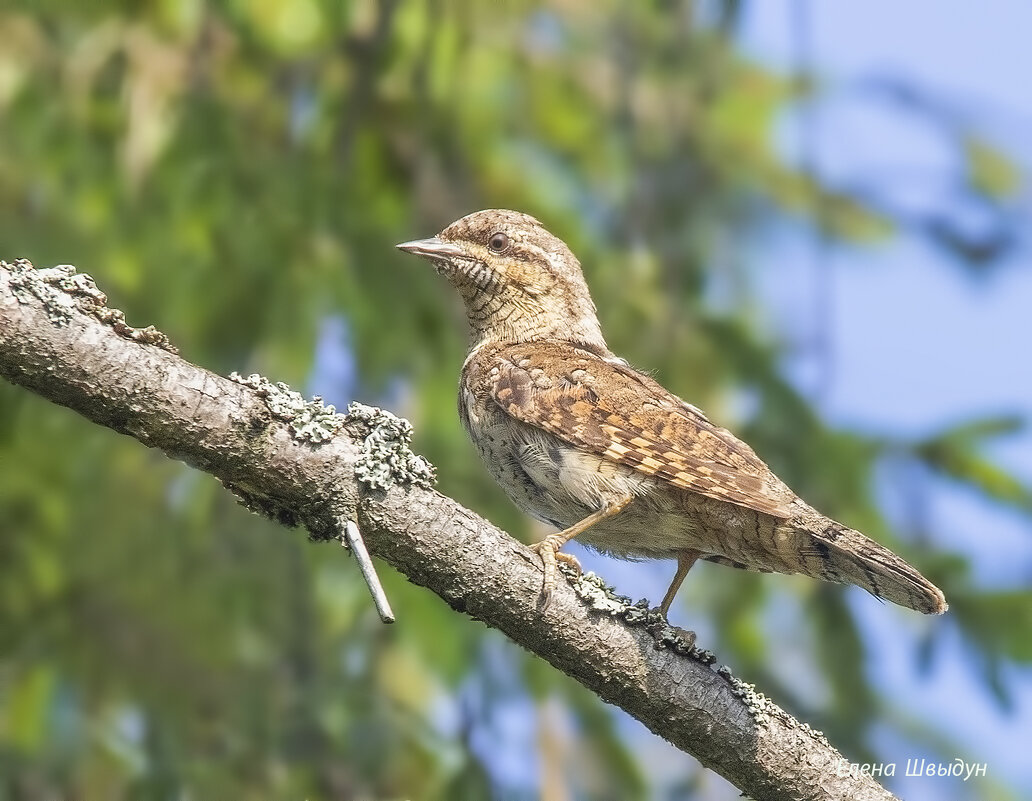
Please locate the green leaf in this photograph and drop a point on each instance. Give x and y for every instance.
(953, 452)
(990, 170)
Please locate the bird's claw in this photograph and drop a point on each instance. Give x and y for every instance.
(548, 550)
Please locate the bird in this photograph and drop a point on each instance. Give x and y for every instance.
(581, 440)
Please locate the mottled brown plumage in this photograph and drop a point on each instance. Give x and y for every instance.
(581, 440)
(634, 422)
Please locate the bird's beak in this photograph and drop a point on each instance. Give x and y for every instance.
(432, 248)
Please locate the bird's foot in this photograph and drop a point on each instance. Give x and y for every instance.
(548, 550)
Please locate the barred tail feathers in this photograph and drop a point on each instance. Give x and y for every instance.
(833, 552)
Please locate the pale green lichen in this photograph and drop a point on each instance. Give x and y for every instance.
(598, 595)
(601, 598)
(49, 285)
(309, 421)
(62, 290)
(761, 707)
(387, 456)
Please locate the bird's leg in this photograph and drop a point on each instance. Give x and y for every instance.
(548, 548)
(685, 560)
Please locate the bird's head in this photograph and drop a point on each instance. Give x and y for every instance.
(519, 282)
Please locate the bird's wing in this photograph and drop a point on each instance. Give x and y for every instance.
(608, 408)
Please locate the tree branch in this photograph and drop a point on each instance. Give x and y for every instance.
(313, 468)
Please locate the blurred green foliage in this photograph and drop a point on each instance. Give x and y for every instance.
(236, 173)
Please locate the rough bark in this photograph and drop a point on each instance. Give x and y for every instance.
(59, 340)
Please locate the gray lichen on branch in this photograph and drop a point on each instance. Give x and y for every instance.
(61, 289)
(600, 597)
(387, 456)
(309, 421)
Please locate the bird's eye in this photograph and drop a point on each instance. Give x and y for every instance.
(499, 242)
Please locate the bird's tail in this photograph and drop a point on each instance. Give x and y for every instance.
(833, 552)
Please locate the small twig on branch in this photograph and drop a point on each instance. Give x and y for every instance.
(352, 538)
